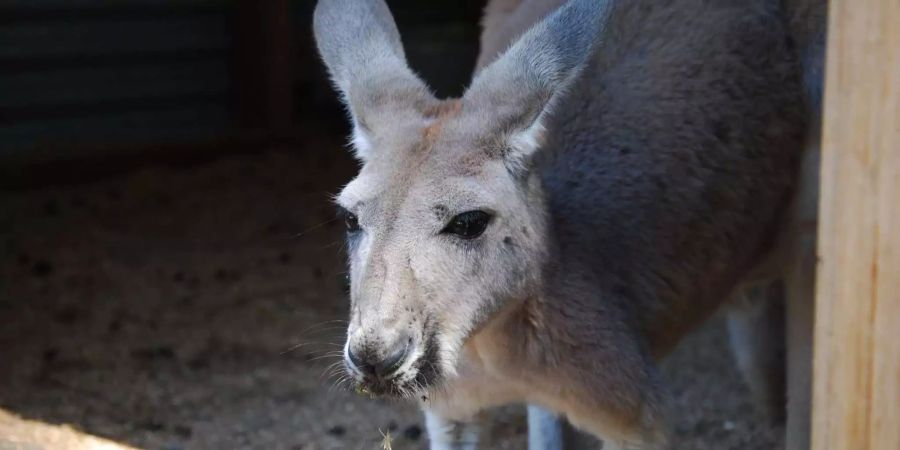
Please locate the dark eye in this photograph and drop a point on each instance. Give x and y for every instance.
(468, 225)
(351, 221)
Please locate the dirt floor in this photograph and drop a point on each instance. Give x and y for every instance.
(197, 308)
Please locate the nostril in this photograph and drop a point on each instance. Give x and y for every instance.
(359, 363)
(371, 364)
(393, 361)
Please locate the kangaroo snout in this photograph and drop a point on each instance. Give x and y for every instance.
(397, 361)
(378, 361)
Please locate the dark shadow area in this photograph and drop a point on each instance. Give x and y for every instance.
(94, 88)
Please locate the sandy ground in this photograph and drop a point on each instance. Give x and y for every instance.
(198, 308)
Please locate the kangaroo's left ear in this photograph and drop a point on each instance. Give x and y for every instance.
(518, 90)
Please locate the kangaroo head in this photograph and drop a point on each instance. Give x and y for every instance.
(445, 221)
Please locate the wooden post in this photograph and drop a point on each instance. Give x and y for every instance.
(857, 356)
(264, 55)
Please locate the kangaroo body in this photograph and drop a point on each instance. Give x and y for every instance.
(627, 165)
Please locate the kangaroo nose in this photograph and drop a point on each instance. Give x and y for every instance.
(371, 363)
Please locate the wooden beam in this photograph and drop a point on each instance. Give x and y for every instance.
(264, 63)
(857, 357)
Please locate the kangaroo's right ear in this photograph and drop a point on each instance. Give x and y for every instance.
(360, 44)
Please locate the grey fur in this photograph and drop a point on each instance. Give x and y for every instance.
(361, 47)
(638, 158)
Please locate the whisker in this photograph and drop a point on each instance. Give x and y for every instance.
(326, 322)
(338, 384)
(333, 369)
(324, 328)
(314, 227)
(329, 355)
(333, 244)
(311, 343)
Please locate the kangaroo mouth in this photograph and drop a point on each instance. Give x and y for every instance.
(413, 382)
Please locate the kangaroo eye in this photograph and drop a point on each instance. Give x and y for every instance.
(468, 225)
(351, 221)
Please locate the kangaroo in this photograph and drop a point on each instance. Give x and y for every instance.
(607, 179)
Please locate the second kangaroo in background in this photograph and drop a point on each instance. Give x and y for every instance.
(608, 179)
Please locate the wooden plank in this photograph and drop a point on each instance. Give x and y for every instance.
(114, 37)
(278, 64)
(102, 4)
(178, 123)
(86, 85)
(17, 10)
(264, 63)
(857, 356)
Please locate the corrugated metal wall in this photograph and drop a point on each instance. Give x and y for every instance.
(114, 72)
